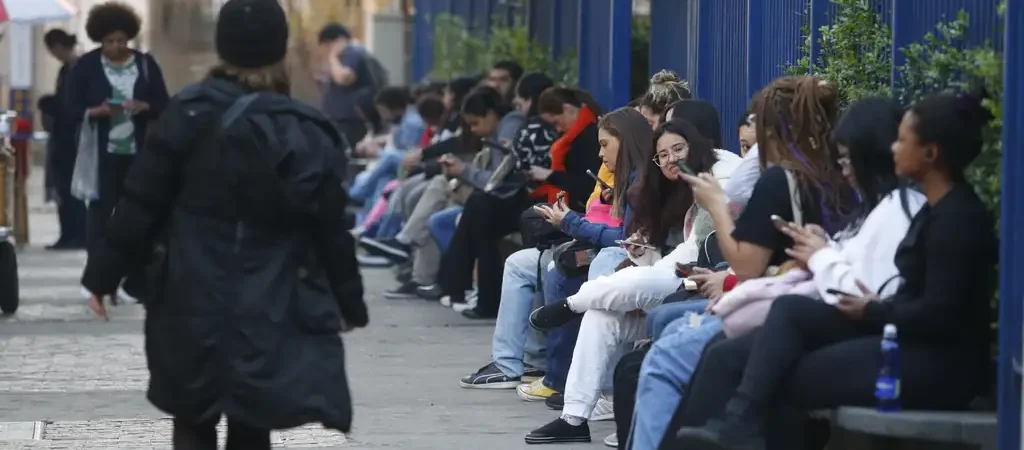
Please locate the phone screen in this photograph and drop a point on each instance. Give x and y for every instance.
(685, 168)
(115, 102)
(838, 292)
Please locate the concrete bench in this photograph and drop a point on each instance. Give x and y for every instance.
(866, 428)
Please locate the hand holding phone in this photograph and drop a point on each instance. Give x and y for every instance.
(685, 168)
(598, 180)
(780, 223)
(837, 292)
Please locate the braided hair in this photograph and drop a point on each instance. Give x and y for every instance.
(665, 89)
(795, 116)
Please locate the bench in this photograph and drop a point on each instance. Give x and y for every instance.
(866, 428)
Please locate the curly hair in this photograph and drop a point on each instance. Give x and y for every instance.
(665, 89)
(109, 17)
(795, 116)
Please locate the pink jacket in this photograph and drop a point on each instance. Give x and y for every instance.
(745, 307)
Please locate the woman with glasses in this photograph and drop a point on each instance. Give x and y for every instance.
(665, 216)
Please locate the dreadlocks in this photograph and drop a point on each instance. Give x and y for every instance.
(666, 89)
(794, 117)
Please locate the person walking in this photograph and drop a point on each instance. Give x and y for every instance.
(62, 151)
(253, 276)
(116, 92)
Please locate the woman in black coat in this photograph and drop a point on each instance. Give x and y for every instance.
(241, 187)
(119, 91)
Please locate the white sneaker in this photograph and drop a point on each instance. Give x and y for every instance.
(612, 440)
(124, 298)
(604, 410)
(471, 300)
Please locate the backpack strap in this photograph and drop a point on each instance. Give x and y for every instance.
(237, 109)
(794, 198)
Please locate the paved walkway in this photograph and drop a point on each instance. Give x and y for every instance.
(69, 381)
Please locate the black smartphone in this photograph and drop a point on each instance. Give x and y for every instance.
(684, 270)
(779, 222)
(685, 168)
(838, 292)
(598, 180)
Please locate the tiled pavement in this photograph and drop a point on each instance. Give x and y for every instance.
(69, 381)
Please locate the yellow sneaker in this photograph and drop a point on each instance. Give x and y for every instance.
(535, 391)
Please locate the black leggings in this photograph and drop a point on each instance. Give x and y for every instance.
(809, 356)
(485, 221)
(191, 436)
(624, 384)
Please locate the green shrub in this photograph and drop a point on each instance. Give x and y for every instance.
(458, 52)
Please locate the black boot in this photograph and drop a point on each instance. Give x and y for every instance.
(739, 429)
(549, 317)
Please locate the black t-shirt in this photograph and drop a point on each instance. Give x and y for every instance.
(771, 197)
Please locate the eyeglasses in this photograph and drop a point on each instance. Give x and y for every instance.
(678, 151)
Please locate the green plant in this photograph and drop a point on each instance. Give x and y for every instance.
(855, 55)
(640, 55)
(458, 52)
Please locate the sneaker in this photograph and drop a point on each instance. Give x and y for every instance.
(373, 261)
(489, 377)
(531, 374)
(612, 440)
(391, 248)
(555, 402)
(404, 291)
(549, 317)
(124, 298)
(604, 410)
(471, 300)
(433, 293)
(559, 431)
(534, 392)
(475, 314)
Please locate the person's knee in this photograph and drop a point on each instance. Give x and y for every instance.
(522, 262)
(600, 321)
(788, 307)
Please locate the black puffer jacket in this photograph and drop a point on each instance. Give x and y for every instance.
(258, 270)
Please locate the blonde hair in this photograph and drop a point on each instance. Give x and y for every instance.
(267, 78)
(666, 88)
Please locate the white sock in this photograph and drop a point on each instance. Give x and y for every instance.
(573, 420)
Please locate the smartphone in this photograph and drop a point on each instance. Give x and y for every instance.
(598, 180)
(560, 198)
(838, 292)
(635, 244)
(685, 168)
(684, 270)
(779, 222)
(115, 102)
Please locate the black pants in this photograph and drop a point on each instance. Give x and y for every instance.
(352, 130)
(190, 436)
(135, 282)
(71, 213)
(485, 221)
(624, 384)
(809, 356)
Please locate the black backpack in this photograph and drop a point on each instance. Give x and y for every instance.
(378, 74)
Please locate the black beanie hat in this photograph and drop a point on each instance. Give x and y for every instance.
(252, 33)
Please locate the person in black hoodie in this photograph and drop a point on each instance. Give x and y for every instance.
(811, 355)
(60, 161)
(254, 276)
(118, 91)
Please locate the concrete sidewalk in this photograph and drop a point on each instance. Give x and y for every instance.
(69, 381)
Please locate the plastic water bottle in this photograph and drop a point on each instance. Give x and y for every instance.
(887, 386)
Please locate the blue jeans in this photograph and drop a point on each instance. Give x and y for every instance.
(562, 340)
(666, 371)
(513, 337)
(442, 226)
(666, 313)
(388, 226)
(369, 185)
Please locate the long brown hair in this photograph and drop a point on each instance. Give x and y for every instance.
(635, 147)
(551, 101)
(268, 78)
(660, 204)
(795, 116)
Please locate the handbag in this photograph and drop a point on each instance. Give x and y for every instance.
(573, 258)
(536, 232)
(85, 179)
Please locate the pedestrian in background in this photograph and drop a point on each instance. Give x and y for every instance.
(62, 145)
(116, 92)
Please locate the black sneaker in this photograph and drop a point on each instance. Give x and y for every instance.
(404, 291)
(559, 431)
(489, 377)
(549, 317)
(555, 402)
(531, 374)
(432, 292)
(391, 248)
(472, 313)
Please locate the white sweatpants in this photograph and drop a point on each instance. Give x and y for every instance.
(627, 290)
(602, 334)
